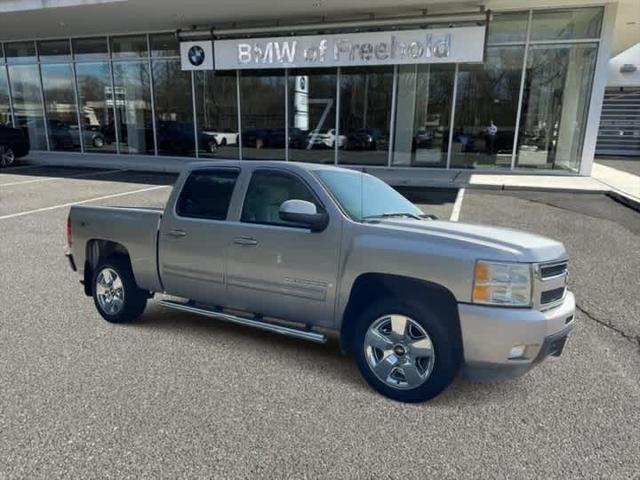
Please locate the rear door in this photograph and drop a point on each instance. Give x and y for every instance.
(194, 236)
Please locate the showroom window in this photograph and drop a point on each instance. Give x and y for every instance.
(20, 52)
(87, 49)
(131, 46)
(312, 115)
(96, 102)
(27, 103)
(554, 106)
(5, 106)
(60, 105)
(365, 115)
(508, 27)
(132, 98)
(486, 110)
(217, 114)
(570, 24)
(423, 115)
(164, 45)
(262, 104)
(175, 129)
(54, 51)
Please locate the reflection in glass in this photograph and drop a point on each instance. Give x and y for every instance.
(90, 48)
(27, 103)
(174, 109)
(60, 104)
(20, 52)
(164, 45)
(423, 115)
(262, 109)
(365, 115)
(54, 51)
(566, 24)
(131, 46)
(217, 113)
(133, 107)
(555, 105)
(508, 27)
(312, 115)
(486, 108)
(5, 108)
(96, 107)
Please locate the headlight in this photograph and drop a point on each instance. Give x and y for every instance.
(498, 283)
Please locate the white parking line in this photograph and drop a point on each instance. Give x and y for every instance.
(50, 179)
(63, 205)
(457, 206)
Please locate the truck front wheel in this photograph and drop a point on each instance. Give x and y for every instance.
(404, 351)
(115, 293)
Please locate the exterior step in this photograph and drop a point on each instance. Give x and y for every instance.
(248, 322)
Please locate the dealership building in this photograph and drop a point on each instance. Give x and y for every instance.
(501, 86)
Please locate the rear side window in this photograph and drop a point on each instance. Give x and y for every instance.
(207, 194)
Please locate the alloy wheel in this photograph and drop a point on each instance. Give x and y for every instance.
(110, 291)
(399, 351)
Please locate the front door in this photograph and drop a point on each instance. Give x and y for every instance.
(279, 269)
(194, 238)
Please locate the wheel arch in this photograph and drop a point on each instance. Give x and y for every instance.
(97, 250)
(372, 286)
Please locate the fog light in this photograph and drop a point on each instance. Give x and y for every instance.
(517, 352)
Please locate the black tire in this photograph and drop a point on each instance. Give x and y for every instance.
(135, 299)
(444, 338)
(223, 142)
(7, 156)
(98, 142)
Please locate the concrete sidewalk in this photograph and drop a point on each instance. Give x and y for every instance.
(621, 185)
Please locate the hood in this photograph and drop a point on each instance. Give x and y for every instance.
(523, 246)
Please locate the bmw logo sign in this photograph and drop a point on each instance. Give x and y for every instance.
(196, 55)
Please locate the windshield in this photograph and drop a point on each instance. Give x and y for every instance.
(364, 196)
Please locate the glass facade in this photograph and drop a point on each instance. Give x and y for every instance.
(525, 107)
(262, 114)
(312, 114)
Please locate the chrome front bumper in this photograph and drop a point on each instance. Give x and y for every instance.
(489, 334)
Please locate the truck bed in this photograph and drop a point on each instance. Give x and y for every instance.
(135, 228)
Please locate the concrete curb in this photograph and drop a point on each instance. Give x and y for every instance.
(625, 200)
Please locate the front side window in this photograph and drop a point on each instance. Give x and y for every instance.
(365, 197)
(267, 191)
(207, 194)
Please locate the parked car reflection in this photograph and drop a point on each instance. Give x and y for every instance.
(326, 138)
(222, 137)
(366, 139)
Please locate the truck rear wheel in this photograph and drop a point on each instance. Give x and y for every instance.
(115, 293)
(404, 351)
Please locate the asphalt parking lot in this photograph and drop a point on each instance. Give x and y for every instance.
(176, 395)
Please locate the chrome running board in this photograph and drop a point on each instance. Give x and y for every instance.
(247, 322)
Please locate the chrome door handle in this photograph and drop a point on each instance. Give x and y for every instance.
(248, 241)
(176, 232)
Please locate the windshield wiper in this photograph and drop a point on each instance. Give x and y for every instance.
(393, 214)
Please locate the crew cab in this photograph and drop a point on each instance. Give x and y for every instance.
(311, 250)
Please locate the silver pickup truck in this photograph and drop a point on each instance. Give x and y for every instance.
(311, 250)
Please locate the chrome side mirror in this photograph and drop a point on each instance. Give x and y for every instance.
(304, 213)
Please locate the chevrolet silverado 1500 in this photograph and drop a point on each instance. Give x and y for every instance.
(311, 250)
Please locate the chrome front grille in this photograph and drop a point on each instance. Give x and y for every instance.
(550, 284)
(550, 270)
